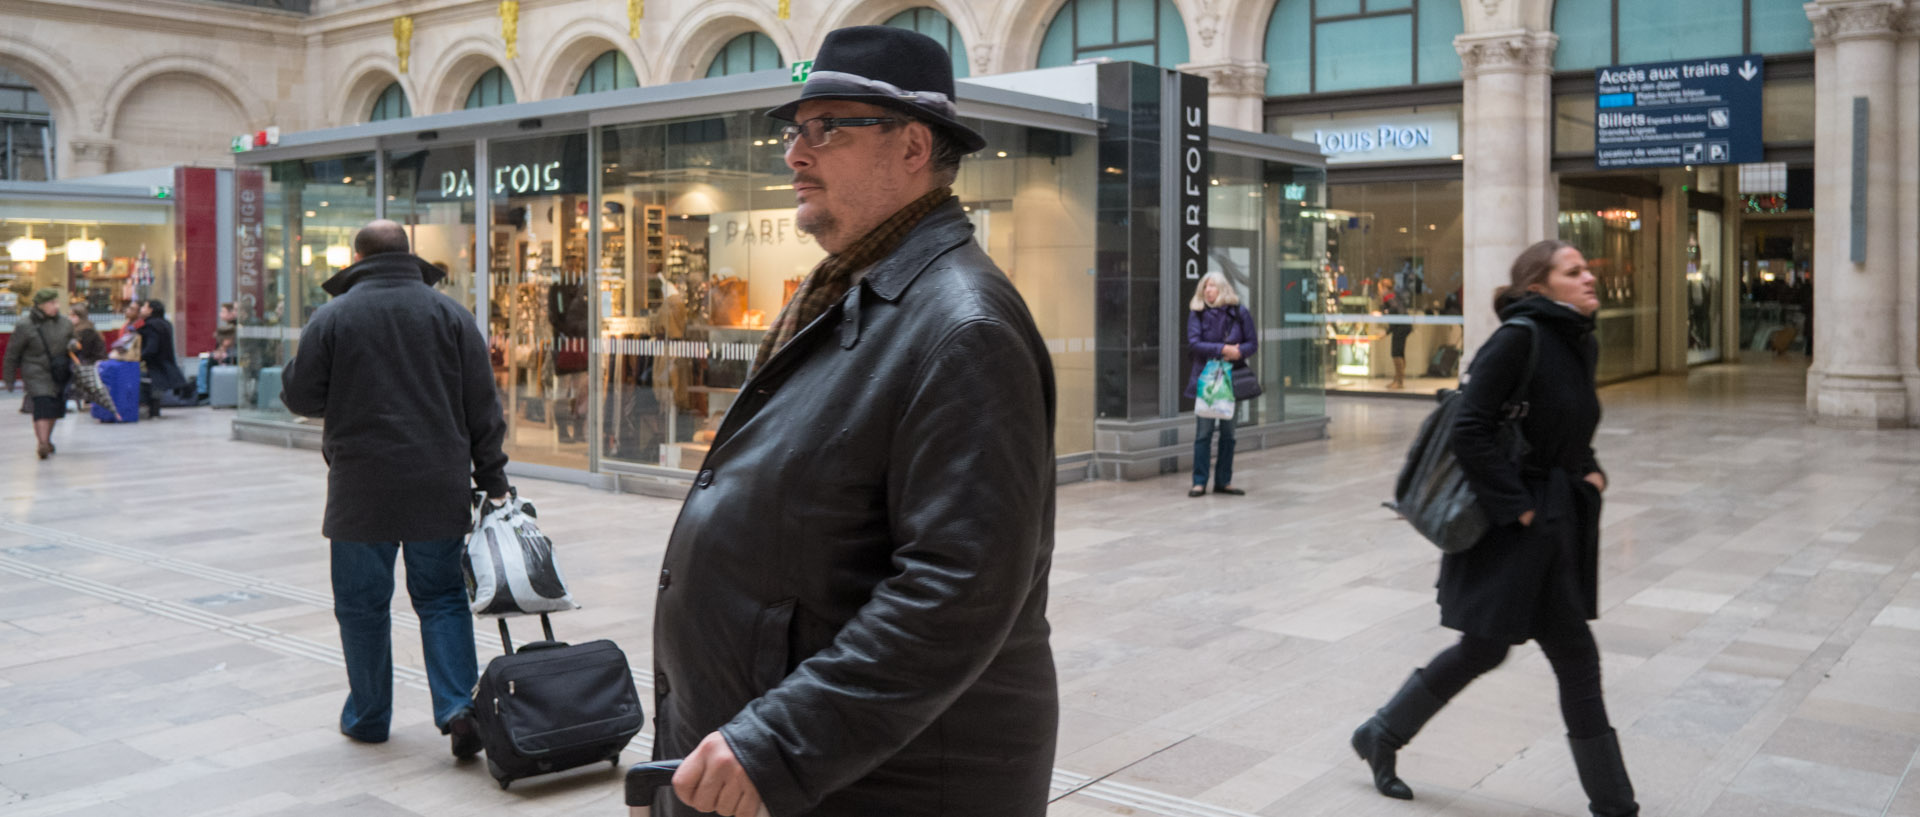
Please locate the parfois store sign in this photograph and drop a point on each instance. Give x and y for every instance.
(1191, 153)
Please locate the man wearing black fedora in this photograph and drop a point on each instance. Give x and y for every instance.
(851, 615)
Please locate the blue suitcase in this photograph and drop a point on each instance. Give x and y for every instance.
(122, 379)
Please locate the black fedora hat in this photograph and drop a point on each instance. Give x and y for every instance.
(883, 65)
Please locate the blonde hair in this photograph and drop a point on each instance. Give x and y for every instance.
(1228, 295)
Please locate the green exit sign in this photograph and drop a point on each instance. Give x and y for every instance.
(801, 68)
(162, 191)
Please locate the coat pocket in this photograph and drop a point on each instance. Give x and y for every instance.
(770, 646)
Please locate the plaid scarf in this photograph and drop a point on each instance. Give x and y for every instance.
(829, 281)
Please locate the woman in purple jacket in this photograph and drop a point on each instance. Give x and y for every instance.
(1218, 328)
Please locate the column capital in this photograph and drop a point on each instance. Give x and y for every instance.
(1232, 77)
(1840, 20)
(1520, 51)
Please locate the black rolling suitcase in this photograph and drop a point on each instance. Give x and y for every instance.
(550, 706)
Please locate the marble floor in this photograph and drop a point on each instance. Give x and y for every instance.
(167, 646)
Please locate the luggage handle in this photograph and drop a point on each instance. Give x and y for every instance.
(546, 626)
(644, 778)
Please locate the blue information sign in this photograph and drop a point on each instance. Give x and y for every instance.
(1667, 114)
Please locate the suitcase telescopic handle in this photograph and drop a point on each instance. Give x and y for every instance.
(644, 778)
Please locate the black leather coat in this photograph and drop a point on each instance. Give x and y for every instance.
(1520, 581)
(855, 592)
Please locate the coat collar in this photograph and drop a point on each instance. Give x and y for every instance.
(384, 265)
(942, 230)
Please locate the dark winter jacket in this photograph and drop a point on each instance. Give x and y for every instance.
(1521, 580)
(855, 592)
(156, 351)
(400, 373)
(1212, 328)
(38, 348)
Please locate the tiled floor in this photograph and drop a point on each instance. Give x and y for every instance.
(166, 645)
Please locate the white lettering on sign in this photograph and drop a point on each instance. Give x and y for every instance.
(1192, 161)
(456, 185)
(542, 178)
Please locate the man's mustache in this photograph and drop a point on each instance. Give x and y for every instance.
(800, 179)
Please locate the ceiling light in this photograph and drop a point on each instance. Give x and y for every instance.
(27, 249)
(85, 250)
(1002, 154)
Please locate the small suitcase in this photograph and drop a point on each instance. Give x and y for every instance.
(223, 387)
(550, 706)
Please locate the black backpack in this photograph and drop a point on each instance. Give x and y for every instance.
(1432, 492)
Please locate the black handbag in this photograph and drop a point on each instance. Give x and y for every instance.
(1433, 492)
(58, 367)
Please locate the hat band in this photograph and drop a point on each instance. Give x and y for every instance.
(933, 101)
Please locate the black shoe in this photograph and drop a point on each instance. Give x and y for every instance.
(1379, 740)
(466, 735)
(1603, 774)
(1229, 491)
(1198, 490)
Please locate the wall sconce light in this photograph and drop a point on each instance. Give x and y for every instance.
(306, 255)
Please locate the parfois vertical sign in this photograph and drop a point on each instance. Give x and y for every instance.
(250, 267)
(1191, 148)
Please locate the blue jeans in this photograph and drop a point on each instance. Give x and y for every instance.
(1203, 447)
(362, 596)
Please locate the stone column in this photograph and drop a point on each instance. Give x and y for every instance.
(1236, 93)
(1856, 380)
(1506, 138)
(1907, 155)
(87, 157)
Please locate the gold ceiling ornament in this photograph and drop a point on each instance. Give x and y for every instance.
(403, 39)
(636, 9)
(786, 9)
(510, 27)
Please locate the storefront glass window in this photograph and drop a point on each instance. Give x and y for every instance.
(1382, 44)
(749, 52)
(51, 234)
(431, 193)
(1148, 31)
(1258, 239)
(609, 72)
(1617, 234)
(932, 23)
(538, 299)
(1705, 310)
(392, 104)
(1393, 283)
(314, 209)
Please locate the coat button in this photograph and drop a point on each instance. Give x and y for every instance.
(666, 578)
(704, 479)
(660, 683)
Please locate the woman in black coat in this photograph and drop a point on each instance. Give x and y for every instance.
(1535, 574)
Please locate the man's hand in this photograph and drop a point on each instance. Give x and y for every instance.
(1526, 519)
(711, 779)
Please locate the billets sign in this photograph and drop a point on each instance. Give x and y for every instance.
(1688, 112)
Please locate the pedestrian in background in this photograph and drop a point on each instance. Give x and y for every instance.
(400, 373)
(878, 645)
(163, 376)
(38, 354)
(1534, 576)
(1218, 328)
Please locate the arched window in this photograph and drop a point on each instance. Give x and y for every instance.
(1317, 46)
(746, 53)
(1651, 31)
(1148, 31)
(26, 131)
(392, 104)
(609, 72)
(492, 88)
(936, 25)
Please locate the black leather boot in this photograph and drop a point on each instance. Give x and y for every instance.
(1603, 773)
(1380, 738)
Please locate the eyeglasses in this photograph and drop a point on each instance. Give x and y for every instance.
(819, 130)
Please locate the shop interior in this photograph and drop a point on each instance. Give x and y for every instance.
(1390, 294)
(103, 261)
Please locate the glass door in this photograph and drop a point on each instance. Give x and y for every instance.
(537, 321)
(1705, 299)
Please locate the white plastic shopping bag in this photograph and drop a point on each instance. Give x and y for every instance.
(509, 563)
(1215, 391)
